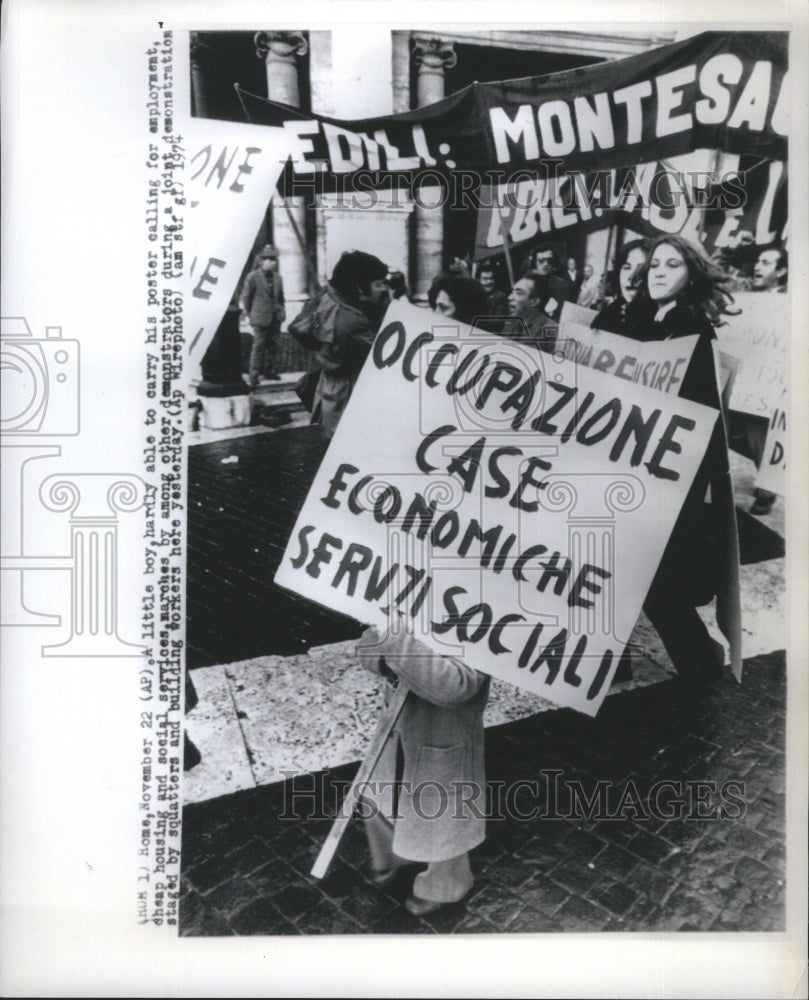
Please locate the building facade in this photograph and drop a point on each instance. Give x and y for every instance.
(352, 72)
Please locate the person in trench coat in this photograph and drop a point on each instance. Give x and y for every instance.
(425, 801)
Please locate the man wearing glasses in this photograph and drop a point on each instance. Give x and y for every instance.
(555, 291)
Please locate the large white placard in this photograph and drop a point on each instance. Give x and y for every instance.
(232, 170)
(509, 505)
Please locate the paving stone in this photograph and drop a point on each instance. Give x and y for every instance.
(399, 921)
(531, 921)
(353, 849)
(211, 873)
(294, 844)
(776, 856)
(757, 876)
(474, 923)
(540, 856)
(615, 861)
(272, 878)
(249, 857)
(231, 895)
(746, 841)
(615, 897)
(576, 877)
(326, 918)
(581, 846)
(650, 848)
(645, 915)
(688, 906)
(615, 925)
(261, 916)
(496, 904)
(545, 895)
(579, 914)
(448, 918)
(513, 872)
(683, 833)
(295, 900)
(652, 883)
(197, 919)
(753, 918)
(618, 831)
(369, 905)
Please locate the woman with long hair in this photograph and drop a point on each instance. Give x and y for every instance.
(457, 297)
(621, 287)
(681, 293)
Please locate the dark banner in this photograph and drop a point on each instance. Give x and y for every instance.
(718, 90)
(650, 198)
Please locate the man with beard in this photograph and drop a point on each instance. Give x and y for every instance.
(340, 326)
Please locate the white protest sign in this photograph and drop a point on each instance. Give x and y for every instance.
(658, 364)
(573, 313)
(232, 170)
(758, 338)
(771, 474)
(510, 505)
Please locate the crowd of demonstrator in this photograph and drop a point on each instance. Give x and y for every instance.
(658, 289)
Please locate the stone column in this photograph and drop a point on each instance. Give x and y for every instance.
(433, 57)
(200, 60)
(400, 58)
(280, 51)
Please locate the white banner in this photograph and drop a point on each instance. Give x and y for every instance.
(659, 364)
(232, 171)
(758, 337)
(508, 504)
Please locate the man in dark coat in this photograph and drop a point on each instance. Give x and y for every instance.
(262, 301)
(348, 315)
(496, 299)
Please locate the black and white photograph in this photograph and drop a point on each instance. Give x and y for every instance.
(444, 570)
(404, 478)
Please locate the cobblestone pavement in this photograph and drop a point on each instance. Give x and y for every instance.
(240, 516)
(245, 866)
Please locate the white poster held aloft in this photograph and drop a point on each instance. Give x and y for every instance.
(508, 506)
(758, 337)
(232, 171)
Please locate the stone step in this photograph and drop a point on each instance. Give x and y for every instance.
(286, 399)
(285, 384)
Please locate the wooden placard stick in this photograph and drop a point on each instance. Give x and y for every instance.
(366, 769)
